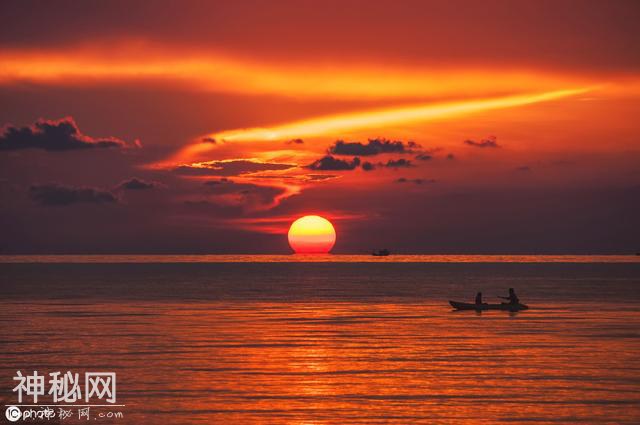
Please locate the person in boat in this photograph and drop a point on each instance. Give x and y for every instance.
(479, 298)
(512, 298)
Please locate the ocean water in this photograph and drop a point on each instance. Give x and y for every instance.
(344, 340)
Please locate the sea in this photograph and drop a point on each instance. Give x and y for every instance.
(310, 340)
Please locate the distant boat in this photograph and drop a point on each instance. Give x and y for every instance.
(480, 307)
(381, 253)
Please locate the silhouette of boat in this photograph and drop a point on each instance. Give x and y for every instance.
(381, 253)
(480, 307)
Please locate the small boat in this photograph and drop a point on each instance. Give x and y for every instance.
(381, 253)
(480, 307)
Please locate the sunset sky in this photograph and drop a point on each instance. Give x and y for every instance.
(421, 127)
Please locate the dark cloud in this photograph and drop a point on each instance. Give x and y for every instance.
(489, 142)
(398, 163)
(414, 181)
(424, 157)
(209, 140)
(373, 147)
(368, 166)
(295, 142)
(58, 195)
(229, 168)
(60, 135)
(217, 184)
(223, 180)
(137, 184)
(392, 163)
(451, 156)
(330, 163)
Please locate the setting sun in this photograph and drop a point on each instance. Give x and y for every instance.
(312, 234)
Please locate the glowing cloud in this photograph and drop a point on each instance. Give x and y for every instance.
(336, 124)
(131, 60)
(379, 118)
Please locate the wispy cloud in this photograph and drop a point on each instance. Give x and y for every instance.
(377, 118)
(489, 142)
(134, 60)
